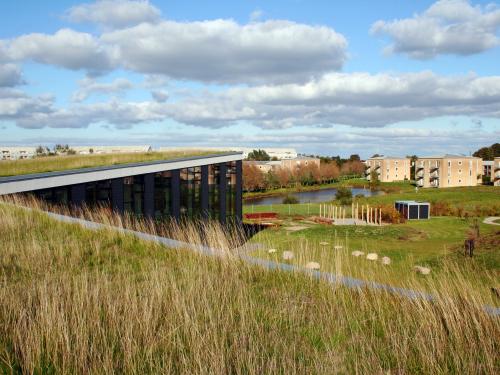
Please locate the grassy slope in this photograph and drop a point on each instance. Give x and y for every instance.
(65, 162)
(77, 302)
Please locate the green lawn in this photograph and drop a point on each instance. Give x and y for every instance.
(65, 162)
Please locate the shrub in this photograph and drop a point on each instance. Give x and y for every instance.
(290, 199)
(344, 195)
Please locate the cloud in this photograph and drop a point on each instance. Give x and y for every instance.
(10, 75)
(224, 51)
(159, 95)
(114, 14)
(89, 86)
(66, 48)
(17, 106)
(356, 99)
(447, 27)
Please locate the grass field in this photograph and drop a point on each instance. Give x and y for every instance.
(435, 243)
(65, 162)
(78, 301)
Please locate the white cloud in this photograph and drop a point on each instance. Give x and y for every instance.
(66, 48)
(89, 86)
(226, 52)
(10, 75)
(447, 27)
(114, 13)
(16, 106)
(357, 99)
(354, 99)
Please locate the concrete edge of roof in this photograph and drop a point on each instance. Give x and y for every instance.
(68, 172)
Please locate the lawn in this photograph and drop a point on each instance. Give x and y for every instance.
(65, 162)
(79, 301)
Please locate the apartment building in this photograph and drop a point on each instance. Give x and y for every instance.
(448, 171)
(388, 168)
(15, 153)
(495, 172)
(291, 164)
(299, 161)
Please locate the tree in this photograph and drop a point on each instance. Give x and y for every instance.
(353, 167)
(283, 176)
(308, 174)
(259, 155)
(253, 178)
(344, 195)
(413, 161)
(354, 157)
(329, 171)
(488, 153)
(374, 181)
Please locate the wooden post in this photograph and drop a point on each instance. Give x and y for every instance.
(380, 217)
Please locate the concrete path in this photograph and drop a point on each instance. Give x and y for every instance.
(243, 251)
(490, 220)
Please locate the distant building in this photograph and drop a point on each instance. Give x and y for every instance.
(278, 153)
(388, 168)
(85, 150)
(495, 172)
(299, 161)
(15, 153)
(448, 171)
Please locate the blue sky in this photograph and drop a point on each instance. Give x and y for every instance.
(325, 77)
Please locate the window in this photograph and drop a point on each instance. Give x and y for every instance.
(190, 191)
(460, 162)
(459, 181)
(133, 192)
(163, 199)
(449, 163)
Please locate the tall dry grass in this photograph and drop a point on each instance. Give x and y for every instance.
(82, 301)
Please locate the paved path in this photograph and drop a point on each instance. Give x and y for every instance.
(490, 220)
(243, 251)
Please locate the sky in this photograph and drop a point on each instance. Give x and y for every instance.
(324, 77)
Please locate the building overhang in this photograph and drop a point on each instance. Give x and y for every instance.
(29, 182)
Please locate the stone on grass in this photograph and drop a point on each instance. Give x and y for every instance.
(372, 256)
(287, 255)
(422, 270)
(337, 247)
(386, 260)
(323, 243)
(357, 253)
(271, 251)
(312, 266)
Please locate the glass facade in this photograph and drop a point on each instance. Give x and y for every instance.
(98, 193)
(211, 191)
(162, 195)
(190, 187)
(133, 192)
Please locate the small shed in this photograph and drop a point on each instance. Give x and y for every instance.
(413, 210)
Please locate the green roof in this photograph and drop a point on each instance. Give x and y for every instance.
(68, 162)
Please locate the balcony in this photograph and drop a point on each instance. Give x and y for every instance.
(434, 169)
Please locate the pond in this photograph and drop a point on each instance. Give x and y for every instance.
(316, 196)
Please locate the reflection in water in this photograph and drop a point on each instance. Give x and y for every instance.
(308, 196)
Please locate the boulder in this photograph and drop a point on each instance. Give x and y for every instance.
(422, 270)
(357, 253)
(287, 255)
(312, 266)
(338, 247)
(372, 256)
(271, 251)
(386, 260)
(323, 243)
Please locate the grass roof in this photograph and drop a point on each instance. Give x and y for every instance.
(67, 162)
